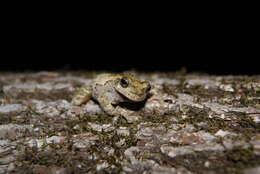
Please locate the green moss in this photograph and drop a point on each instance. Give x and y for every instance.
(242, 156)
(156, 118)
(227, 162)
(202, 94)
(122, 121)
(241, 159)
(42, 95)
(5, 119)
(170, 89)
(71, 123)
(67, 156)
(23, 117)
(97, 118)
(240, 123)
(64, 155)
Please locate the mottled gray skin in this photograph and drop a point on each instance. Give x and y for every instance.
(111, 89)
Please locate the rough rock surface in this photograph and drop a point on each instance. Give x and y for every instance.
(193, 123)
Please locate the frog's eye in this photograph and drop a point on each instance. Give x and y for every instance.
(124, 82)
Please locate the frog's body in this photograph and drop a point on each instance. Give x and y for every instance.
(111, 89)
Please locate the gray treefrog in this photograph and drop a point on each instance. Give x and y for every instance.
(109, 90)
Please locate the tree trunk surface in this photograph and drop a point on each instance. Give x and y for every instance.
(190, 123)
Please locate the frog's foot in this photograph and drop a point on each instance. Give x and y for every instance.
(115, 110)
(131, 116)
(125, 112)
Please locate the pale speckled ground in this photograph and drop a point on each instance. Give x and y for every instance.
(193, 123)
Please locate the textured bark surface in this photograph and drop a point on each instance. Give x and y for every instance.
(192, 123)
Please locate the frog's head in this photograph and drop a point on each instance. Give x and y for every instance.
(132, 88)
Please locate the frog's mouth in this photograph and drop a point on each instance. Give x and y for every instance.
(131, 98)
(131, 104)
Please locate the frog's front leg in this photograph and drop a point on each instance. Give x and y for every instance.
(109, 105)
(82, 95)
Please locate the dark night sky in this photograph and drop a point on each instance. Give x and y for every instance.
(219, 57)
(213, 58)
(212, 46)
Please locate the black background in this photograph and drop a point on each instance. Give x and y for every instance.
(201, 42)
(236, 59)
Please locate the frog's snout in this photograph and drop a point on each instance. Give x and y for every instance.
(146, 86)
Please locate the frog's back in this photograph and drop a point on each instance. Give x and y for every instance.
(103, 78)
